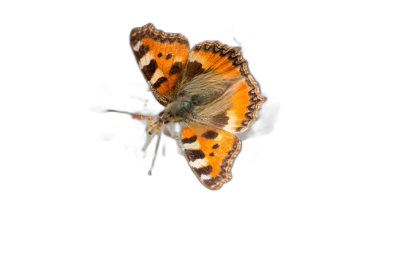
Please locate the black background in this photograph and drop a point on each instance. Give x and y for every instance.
(282, 174)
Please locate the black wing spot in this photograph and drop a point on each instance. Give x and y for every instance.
(149, 70)
(215, 146)
(192, 69)
(192, 155)
(143, 49)
(210, 134)
(159, 82)
(175, 68)
(169, 56)
(205, 170)
(189, 140)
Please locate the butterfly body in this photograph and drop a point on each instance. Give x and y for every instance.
(208, 90)
(178, 110)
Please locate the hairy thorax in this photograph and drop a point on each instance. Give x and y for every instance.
(178, 110)
(201, 98)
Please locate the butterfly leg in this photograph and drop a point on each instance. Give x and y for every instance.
(170, 127)
(148, 141)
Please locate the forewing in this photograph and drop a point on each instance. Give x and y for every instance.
(242, 98)
(161, 57)
(210, 153)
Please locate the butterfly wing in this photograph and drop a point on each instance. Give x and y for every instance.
(208, 139)
(161, 57)
(241, 101)
(210, 153)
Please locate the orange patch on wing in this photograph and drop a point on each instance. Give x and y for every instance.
(187, 132)
(224, 65)
(225, 144)
(210, 60)
(171, 53)
(245, 97)
(161, 57)
(201, 57)
(240, 101)
(220, 149)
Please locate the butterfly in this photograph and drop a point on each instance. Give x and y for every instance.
(208, 90)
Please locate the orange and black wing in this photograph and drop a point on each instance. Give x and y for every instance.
(210, 153)
(243, 93)
(161, 57)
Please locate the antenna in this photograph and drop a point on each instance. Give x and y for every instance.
(117, 111)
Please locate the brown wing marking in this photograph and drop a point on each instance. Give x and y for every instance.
(210, 153)
(161, 57)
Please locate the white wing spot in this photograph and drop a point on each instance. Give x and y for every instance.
(198, 163)
(205, 177)
(157, 74)
(136, 47)
(145, 60)
(195, 164)
(194, 145)
(231, 122)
